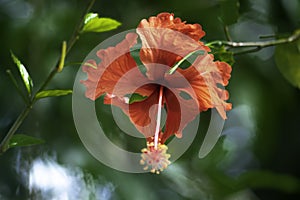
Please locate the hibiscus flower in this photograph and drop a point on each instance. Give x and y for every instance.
(183, 93)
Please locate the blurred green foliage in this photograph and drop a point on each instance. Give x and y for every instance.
(255, 159)
(288, 61)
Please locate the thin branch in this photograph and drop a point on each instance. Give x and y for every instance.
(257, 45)
(4, 145)
(76, 32)
(5, 142)
(227, 34)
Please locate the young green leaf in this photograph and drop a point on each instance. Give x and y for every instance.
(62, 57)
(287, 58)
(52, 93)
(19, 140)
(135, 97)
(24, 74)
(93, 23)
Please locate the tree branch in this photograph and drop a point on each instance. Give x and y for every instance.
(256, 46)
(4, 145)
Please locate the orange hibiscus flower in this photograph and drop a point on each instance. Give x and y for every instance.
(184, 93)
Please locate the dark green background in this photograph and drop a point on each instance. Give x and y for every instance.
(258, 157)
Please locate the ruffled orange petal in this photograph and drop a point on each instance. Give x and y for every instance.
(205, 75)
(167, 20)
(115, 63)
(166, 40)
(93, 74)
(224, 71)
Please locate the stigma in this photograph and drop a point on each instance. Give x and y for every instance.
(155, 159)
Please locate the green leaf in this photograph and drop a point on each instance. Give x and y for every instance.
(183, 63)
(52, 93)
(24, 74)
(93, 23)
(229, 11)
(287, 58)
(19, 140)
(220, 53)
(135, 97)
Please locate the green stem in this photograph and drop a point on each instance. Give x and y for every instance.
(76, 32)
(256, 46)
(5, 142)
(226, 31)
(4, 145)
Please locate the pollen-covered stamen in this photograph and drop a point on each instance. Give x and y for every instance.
(158, 117)
(155, 159)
